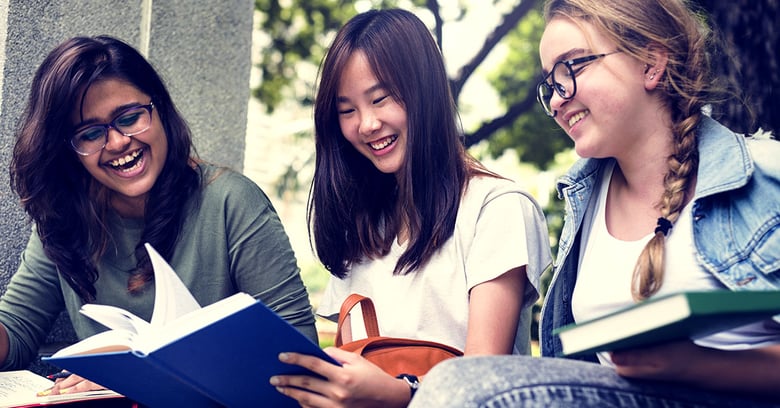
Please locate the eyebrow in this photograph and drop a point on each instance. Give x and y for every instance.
(570, 54)
(116, 111)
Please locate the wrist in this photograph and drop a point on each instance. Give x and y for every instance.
(411, 381)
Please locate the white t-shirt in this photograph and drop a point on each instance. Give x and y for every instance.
(607, 264)
(499, 227)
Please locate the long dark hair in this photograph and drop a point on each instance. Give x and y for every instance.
(355, 210)
(67, 205)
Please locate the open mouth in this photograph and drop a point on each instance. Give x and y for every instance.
(576, 118)
(128, 162)
(383, 143)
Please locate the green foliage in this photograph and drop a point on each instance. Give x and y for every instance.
(535, 137)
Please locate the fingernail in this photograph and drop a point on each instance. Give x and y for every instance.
(44, 392)
(274, 380)
(65, 390)
(283, 356)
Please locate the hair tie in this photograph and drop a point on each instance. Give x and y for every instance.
(664, 226)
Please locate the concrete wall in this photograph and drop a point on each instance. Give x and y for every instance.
(201, 48)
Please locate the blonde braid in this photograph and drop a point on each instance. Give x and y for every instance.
(685, 86)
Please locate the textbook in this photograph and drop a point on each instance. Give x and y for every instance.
(670, 317)
(20, 388)
(222, 354)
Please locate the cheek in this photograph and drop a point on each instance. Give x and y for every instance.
(349, 128)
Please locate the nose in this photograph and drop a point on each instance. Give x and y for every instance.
(556, 103)
(369, 124)
(115, 140)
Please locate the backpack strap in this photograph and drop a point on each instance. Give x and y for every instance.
(369, 315)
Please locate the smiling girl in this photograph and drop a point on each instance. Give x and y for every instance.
(447, 250)
(664, 200)
(104, 163)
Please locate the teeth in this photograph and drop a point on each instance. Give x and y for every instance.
(576, 118)
(123, 160)
(381, 144)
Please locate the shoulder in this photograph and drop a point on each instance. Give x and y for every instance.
(483, 189)
(764, 151)
(224, 184)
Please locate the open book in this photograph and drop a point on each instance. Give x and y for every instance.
(19, 389)
(222, 354)
(671, 317)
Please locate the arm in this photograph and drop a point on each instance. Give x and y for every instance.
(28, 308)
(3, 343)
(494, 310)
(262, 261)
(747, 371)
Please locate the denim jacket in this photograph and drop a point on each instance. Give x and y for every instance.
(736, 220)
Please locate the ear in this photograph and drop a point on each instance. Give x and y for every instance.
(655, 69)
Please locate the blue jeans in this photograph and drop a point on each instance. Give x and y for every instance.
(523, 381)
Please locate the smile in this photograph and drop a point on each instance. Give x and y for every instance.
(128, 162)
(383, 143)
(576, 118)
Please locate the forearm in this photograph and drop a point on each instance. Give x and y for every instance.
(3, 344)
(746, 371)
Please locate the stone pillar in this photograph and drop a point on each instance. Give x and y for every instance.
(201, 48)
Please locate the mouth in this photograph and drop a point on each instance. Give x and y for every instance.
(127, 163)
(578, 117)
(383, 143)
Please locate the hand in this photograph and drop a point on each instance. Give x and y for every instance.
(72, 384)
(357, 383)
(667, 361)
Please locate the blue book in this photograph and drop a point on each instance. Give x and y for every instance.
(685, 315)
(219, 355)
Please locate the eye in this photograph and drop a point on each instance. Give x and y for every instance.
(345, 111)
(379, 100)
(129, 118)
(90, 134)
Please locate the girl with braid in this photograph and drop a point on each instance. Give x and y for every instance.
(103, 163)
(665, 200)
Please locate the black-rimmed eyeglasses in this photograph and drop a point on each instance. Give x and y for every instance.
(129, 122)
(561, 80)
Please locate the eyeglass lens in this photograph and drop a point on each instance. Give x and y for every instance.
(130, 123)
(560, 80)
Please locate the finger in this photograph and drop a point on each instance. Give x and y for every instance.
(342, 356)
(306, 399)
(312, 363)
(79, 386)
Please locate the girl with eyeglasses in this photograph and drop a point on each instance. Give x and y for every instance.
(399, 212)
(664, 200)
(104, 163)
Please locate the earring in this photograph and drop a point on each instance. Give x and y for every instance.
(652, 76)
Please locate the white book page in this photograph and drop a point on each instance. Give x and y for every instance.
(20, 387)
(115, 318)
(193, 321)
(104, 342)
(171, 298)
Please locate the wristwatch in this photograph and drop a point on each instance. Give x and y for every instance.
(412, 381)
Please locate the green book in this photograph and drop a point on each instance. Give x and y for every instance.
(669, 317)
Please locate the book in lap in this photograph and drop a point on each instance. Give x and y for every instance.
(670, 317)
(222, 354)
(20, 388)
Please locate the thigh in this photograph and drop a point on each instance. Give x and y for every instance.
(523, 381)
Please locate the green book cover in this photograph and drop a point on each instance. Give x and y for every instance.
(669, 317)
